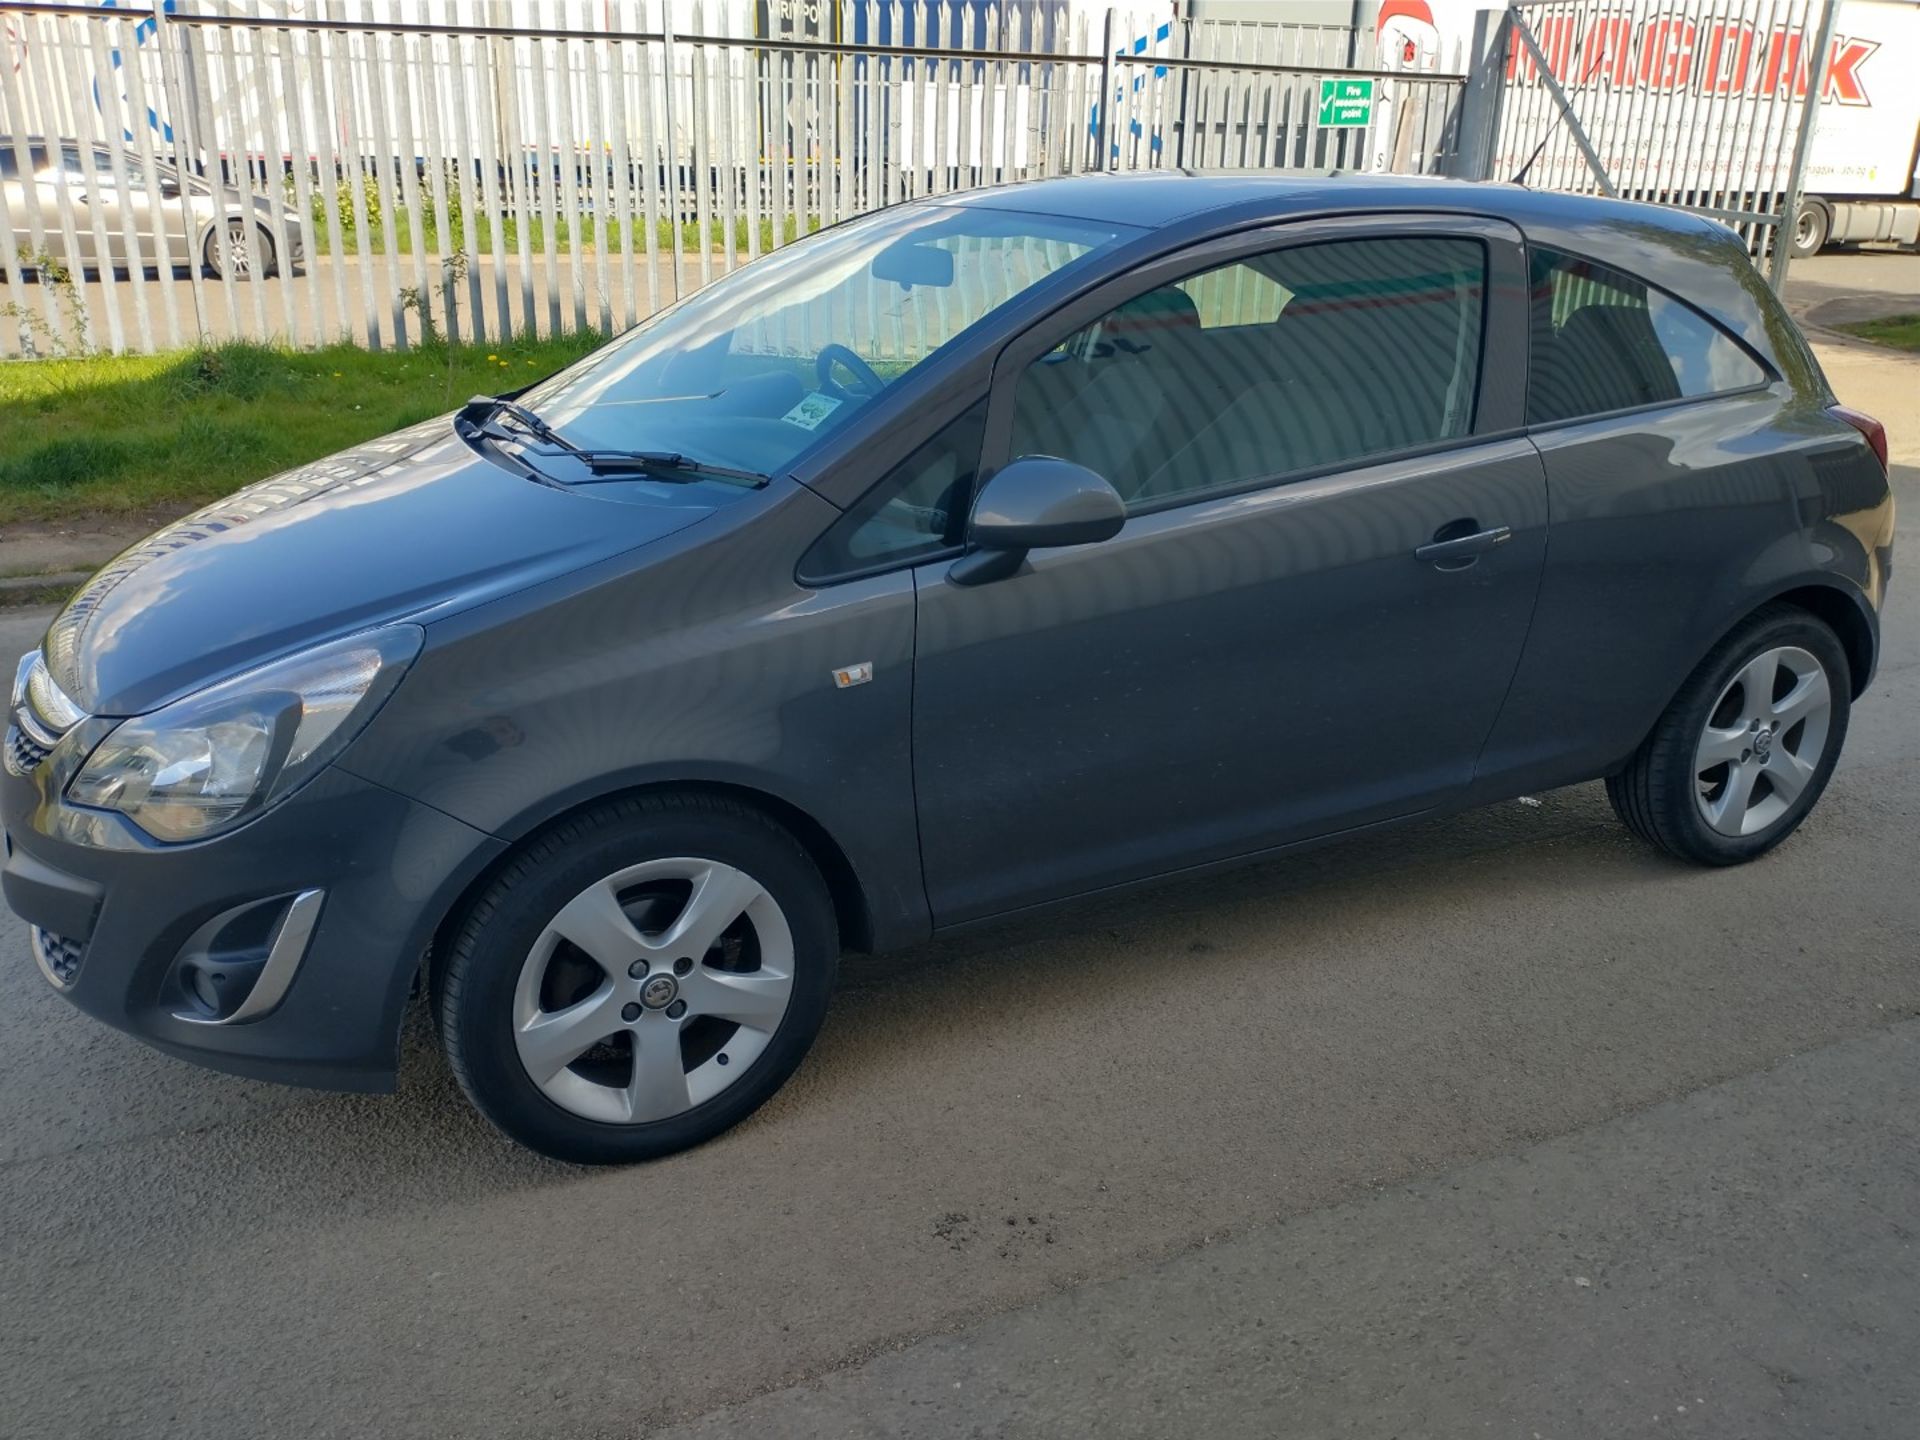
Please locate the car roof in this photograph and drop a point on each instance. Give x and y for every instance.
(1159, 198)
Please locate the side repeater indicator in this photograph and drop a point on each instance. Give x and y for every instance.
(847, 676)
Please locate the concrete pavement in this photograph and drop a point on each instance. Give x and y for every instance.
(1037, 1141)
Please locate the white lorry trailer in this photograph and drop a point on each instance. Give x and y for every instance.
(1862, 181)
(1863, 177)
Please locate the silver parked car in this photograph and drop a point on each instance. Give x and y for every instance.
(192, 225)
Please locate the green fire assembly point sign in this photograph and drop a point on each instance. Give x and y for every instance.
(1346, 102)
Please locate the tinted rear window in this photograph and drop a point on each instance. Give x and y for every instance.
(1604, 341)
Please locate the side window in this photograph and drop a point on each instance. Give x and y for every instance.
(1334, 352)
(1604, 341)
(1236, 295)
(919, 509)
(103, 170)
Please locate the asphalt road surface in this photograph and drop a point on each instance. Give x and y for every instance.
(1494, 1125)
(1843, 286)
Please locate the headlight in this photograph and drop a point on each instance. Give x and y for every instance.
(204, 764)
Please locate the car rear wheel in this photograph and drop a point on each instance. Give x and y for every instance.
(1746, 748)
(225, 249)
(639, 979)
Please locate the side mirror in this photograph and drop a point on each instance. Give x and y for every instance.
(1036, 501)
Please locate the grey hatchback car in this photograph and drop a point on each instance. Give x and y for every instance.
(967, 557)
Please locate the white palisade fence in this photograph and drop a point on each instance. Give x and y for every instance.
(487, 168)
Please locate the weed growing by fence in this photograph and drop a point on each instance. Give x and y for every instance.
(38, 337)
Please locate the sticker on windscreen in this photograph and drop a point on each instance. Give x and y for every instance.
(811, 410)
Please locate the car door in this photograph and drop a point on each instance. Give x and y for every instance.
(1271, 649)
(15, 195)
(65, 177)
(122, 207)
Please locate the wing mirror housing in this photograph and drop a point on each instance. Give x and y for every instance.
(1033, 503)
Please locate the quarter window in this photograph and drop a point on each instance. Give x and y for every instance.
(918, 510)
(1299, 359)
(1603, 341)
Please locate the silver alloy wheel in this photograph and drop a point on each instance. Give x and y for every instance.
(234, 260)
(1763, 741)
(694, 967)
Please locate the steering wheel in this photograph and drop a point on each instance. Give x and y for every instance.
(867, 382)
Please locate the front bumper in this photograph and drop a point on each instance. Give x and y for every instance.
(111, 922)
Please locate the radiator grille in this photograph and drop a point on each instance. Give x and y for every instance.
(24, 754)
(58, 956)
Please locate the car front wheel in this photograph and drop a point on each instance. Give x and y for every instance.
(1746, 748)
(639, 979)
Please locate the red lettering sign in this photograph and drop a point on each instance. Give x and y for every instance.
(1726, 59)
(1671, 53)
(1844, 85)
(1608, 52)
(1666, 54)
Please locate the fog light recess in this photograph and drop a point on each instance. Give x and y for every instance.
(238, 965)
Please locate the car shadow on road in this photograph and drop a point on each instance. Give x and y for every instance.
(1109, 946)
(118, 1092)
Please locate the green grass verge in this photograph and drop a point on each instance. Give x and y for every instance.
(107, 436)
(1900, 331)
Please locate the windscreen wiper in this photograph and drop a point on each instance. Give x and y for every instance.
(483, 413)
(623, 464)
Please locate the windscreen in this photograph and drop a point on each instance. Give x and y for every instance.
(767, 361)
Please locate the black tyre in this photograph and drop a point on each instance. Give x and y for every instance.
(227, 246)
(639, 978)
(1812, 223)
(1747, 746)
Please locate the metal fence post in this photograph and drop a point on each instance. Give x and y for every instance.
(673, 143)
(1480, 97)
(499, 98)
(1107, 105)
(184, 143)
(1517, 24)
(1802, 146)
